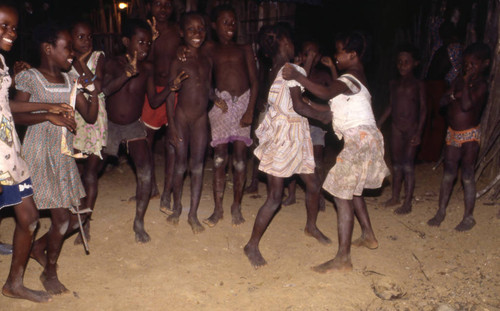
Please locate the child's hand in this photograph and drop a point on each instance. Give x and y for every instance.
(173, 137)
(154, 31)
(61, 108)
(221, 104)
(131, 67)
(310, 58)
(297, 60)
(246, 119)
(289, 72)
(327, 61)
(85, 81)
(176, 84)
(61, 120)
(415, 140)
(182, 51)
(20, 66)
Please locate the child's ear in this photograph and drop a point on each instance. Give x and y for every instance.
(46, 48)
(126, 41)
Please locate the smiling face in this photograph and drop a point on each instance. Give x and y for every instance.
(343, 58)
(194, 31)
(225, 26)
(82, 38)
(141, 43)
(61, 53)
(8, 24)
(162, 10)
(406, 63)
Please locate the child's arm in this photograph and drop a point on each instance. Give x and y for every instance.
(321, 91)
(172, 135)
(388, 110)
(116, 74)
(21, 106)
(27, 118)
(472, 94)
(246, 119)
(309, 110)
(327, 61)
(156, 99)
(422, 111)
(88, 109)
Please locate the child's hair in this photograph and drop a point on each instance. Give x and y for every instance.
(219, 9)
(47, 33)
(188, 15)
(8, 4)
(270, 36)
(480, 50)
(410, 49)
(353, 42)
(80, 22)
(130, 27)
(173, 16)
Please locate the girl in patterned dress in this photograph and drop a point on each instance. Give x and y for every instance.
(285, 146)
(56, 181)
(89, 138)
(360, 164)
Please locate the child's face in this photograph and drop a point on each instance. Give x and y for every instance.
(225, 26)
(141, 43)
(406, 64)
(82, 39)
(194, 32)
(473, 66)
(61, 54)
(162, 10)
(308, 48)
(8, 25)
(342, 57)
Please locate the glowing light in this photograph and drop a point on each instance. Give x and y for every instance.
(122, 5)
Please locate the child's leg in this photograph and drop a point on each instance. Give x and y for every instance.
(198, 145)
(409, 178)
(264, 216)
(141, 156)
(150, 137)
(239, 177)
(397, 154)
(60, 218)
(219, 183)
(26, 223)
(312, 207)
(470, 151)
(292, 188)
(254, 180)
(367, 238)
(345, 223)
(169, 175)
(451, 159)
(319, 151)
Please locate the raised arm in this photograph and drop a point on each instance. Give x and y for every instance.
(115, 77)
(246, 119)
(88, 108)
(156, 99)
(321, 113)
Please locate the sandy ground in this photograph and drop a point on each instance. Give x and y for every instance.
(416, 267)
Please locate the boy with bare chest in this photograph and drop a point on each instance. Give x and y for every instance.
(464, 102)
(408, 109)
(189, 128)
(231, 117)
(127, 79)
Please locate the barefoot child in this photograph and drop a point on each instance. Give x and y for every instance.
(15, 183)
(189, 129)
(464, 105)
(408, 108)
(285, 146)
(55, 175)
(127, 79)
(230, 119)
(166, 40)
(361, 163)
(89, 138)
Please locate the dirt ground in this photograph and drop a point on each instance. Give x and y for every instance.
(416, 267)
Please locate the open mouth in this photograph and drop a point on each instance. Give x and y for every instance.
(70, 60)
(7, 40)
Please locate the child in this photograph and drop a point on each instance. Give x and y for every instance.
(408, 108)
(166, 40)
(90, 138)
(464, 103)
(190, 127)
(55, 175)
(285, 146)
(127, 79)
(230, 119)
(360, 164)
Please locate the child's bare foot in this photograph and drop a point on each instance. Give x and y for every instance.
(391, 202)
(86, 230)
(52, 285)
(236, 215)
(141, 236)
(22, 292)
(213, 219)
(436, 220)
(336, 264)
(174, 218)
(165, 204)
(403, 209)
(322, 203)
(289, 200)
(252, 188)
(370, 243)
(39, 255)
(318, 235)
(255, 257)
(195, 224)
(466, 224)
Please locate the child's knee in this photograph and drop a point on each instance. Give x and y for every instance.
(62, 228)
(197, 169)
(239, 166)
(220, 161)
(144, 175)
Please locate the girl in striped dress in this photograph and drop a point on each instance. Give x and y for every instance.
(285, 146)
(56, 181)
